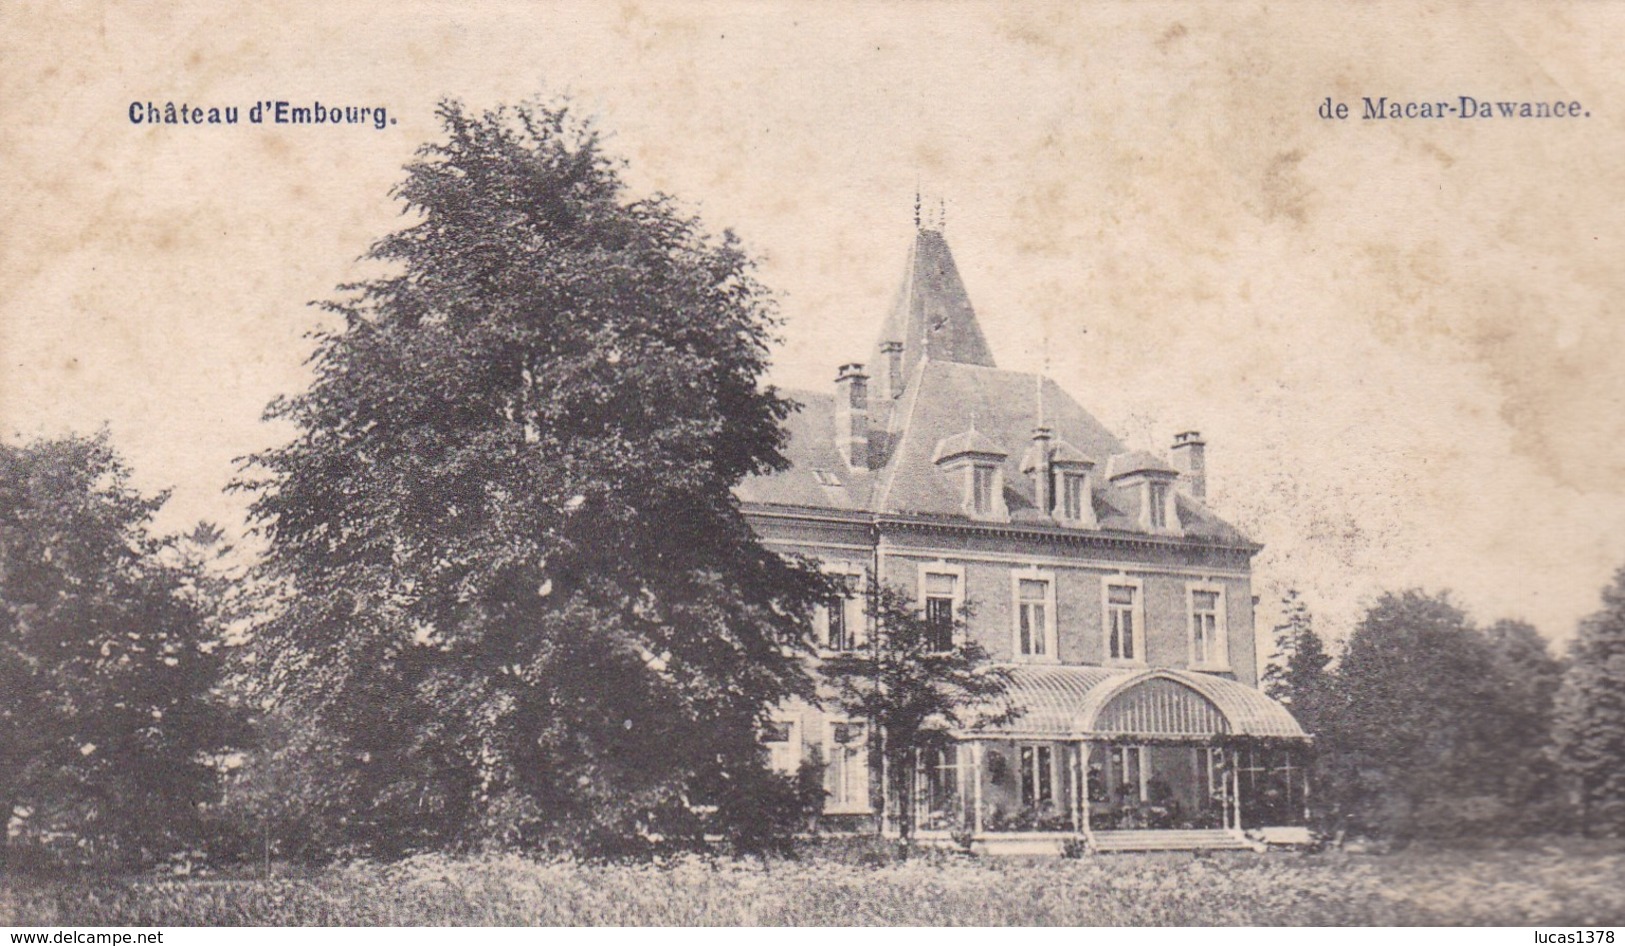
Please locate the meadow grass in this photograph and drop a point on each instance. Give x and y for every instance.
(1570, 885)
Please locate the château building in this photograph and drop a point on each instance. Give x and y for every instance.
(1121, 602)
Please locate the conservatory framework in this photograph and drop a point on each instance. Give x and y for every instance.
(1118, 759)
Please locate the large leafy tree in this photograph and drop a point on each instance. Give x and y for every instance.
(916, 683)
(1590, 715)
(516, 597)
(111, 723)
(1427, 727)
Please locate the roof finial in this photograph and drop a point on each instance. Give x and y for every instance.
(1039, 379)
(916, 203)
(972, 420)
(942, 215)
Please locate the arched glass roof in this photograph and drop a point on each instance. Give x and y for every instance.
(1078, 702)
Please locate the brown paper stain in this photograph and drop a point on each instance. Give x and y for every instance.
(1173, 33)
(1284, 190)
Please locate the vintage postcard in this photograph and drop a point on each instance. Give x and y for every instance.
(1167, 458)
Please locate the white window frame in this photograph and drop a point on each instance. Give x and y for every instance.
(1141, 638)
(1086, 510)
(996, 509)
(856, 614)
(1051, 624)
(793, 752)
(958, 573)
(982, 473)
(1170, 511)
(954, 772)
(1023, 773)
(834, 805)
(1142, 759)
(1221, 631)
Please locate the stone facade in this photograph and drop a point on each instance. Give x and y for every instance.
(943, 475)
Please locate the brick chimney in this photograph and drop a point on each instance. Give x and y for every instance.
(1189, 457)
(852, 415)
(1043, 479)
(891, 369)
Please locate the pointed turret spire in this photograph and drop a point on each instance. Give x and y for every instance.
(932, 316)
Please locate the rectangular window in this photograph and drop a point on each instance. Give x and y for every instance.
(1037, 775)
(1074, 496)
(841, 618)
(839, 638)
(1120, 608)
(1272, 786)
(982, 489)
(1217, 782)
(783, 746)
(841, 633)
(1128, 775)
(940, 594)
(1205, 628)
(846, 774)
(1158, 493)
(940, 788)
(1032, 603)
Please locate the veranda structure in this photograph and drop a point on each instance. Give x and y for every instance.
(1120, 759)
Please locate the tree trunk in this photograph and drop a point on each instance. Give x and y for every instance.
(905, 798)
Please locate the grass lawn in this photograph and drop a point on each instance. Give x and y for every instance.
(1555, 883)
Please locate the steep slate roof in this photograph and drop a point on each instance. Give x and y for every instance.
(971, 442)
(943, 397)
(1140, 461)
(1064, 452)
(954, 393)
(811, 451)
(940, 400)
(932, 315)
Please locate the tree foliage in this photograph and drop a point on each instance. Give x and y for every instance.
(517, 600)
(111, 724)
(1430, 728)
(914, 691)
(1590, 714)
(1297, 673)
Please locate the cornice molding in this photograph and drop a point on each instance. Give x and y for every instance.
(1059, 534)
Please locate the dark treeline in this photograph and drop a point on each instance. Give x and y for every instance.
(1430, 726)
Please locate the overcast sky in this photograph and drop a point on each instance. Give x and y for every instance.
(1401, 338)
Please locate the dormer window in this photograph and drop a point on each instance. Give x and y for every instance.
(982, 477)
(1060, 476)
(1153, 480)
(1157, 504)
(1074, 496)
(979, 462)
